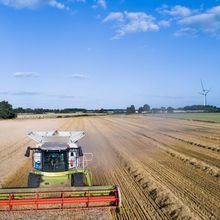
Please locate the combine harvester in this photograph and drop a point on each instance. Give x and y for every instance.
(59, 179)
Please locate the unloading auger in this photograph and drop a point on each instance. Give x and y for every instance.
(60, 179)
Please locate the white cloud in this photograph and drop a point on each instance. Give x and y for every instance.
(4, 93)
(215, 10)
(102, 3)
(21, 3)
(177, 10)
(200, 19)
(99, 3)
(24, 93)
(131, 22)
(192, 21)
(164, 23)
(207, 22)
(25, 74)
(66, 96)
(79, 76)
(57, 4)
(61, 96)
(187, 31)
(33, 3)
(114, 16)
(19, 93)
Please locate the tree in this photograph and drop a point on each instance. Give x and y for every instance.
(140, 110)
(170, 110)
(19, 110)
(207, 108)
(6, 110)
(130, 110)
(102, 110)
(39, 111)
(163, 109)
(146, 108)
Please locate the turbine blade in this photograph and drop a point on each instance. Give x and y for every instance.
(202, 85)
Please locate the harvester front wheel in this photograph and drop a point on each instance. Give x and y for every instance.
(33, 180)
(77, 179)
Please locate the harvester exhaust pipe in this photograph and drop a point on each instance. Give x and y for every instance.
(28, 152)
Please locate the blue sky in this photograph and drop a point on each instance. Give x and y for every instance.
(111, 54)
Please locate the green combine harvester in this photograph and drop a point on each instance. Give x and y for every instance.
(59, 179)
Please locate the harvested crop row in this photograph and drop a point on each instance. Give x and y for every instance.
(136, 203)
(155, 171)
(174, 169)
(184, 147)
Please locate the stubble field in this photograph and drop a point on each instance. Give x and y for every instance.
(166, 168)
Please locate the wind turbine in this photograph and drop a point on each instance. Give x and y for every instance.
(204, 93)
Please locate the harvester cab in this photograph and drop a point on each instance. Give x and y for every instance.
(59, 179)
(58, 160)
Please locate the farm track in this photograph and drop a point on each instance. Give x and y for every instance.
(166, 168)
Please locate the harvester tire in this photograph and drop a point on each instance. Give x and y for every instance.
(77, 179)
(34, 180)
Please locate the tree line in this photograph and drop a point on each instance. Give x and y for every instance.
(43, 111)
(193, 108)
(143, 109)
(8, 112)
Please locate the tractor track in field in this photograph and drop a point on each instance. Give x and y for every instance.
(198, 202)
(189, 157)
(194, 161)
(187, 136)
(137, 205)
(159, 198)
(185, 153)
(186, 140)
(188, 149)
